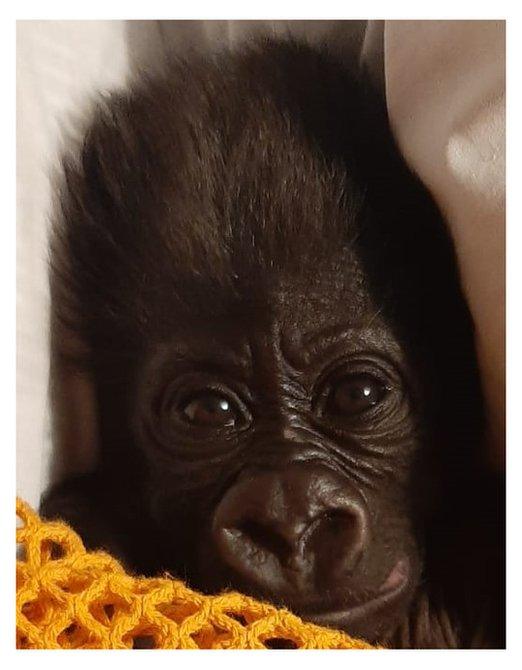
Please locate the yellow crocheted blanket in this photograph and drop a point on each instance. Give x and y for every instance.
(69, 598)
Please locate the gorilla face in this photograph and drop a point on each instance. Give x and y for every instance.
(269, 310)
(285, 439)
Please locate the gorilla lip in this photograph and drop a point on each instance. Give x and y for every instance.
(391, 589)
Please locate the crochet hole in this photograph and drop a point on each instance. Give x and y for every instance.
(280, 643)
(74, 636)
(144, 642)
(237, 617)
(109, 611)
(34, 611)
(52, 550)
(142, 637)
(104, 610)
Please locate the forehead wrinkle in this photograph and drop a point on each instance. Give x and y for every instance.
(379, 339)
(335, 332)
(207, 350)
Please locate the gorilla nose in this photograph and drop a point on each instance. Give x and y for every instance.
(296, 529)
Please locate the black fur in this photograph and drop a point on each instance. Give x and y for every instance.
(209, 195)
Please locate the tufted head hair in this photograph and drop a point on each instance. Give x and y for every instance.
(208, 185)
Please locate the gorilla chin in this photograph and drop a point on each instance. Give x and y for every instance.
(370, 615)
(376, 614)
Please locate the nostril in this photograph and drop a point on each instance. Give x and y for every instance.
(338, 521)
(339, 536)
(266, 539)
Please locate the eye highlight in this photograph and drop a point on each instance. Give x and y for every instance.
(355, 394)
(210, 409)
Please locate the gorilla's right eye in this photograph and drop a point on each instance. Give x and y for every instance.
(209, 409)
(355, 394)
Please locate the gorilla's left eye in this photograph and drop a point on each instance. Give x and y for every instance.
(354, 394)
(211, 409)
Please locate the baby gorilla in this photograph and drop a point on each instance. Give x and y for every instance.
(267, 304)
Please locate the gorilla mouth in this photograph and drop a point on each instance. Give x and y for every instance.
(357, 618)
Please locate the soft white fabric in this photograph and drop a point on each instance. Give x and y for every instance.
(59, 65)
(445, 90)
(444, 83)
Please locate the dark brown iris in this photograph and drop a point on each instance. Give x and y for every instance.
(355, 394)
(210, 408)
